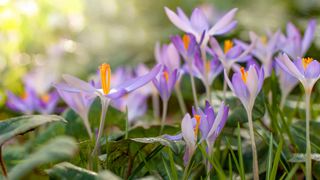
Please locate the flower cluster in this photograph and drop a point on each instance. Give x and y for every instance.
(204, 58)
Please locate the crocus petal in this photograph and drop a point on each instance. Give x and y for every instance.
(78, 83)
(177, 21)
(216, 48)
(285, 63)
(252, 81)
(227, 28)
(240, 89)
(199, 21)
(188, 132)
(308, 36)
(313, 70)
(223, 22)
(177, 137)
(138, 82)
(299, 65)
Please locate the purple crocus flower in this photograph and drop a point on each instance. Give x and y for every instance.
(212, 125)
(286, 82)
(78, 101)
(167, 55)
(165, 82)
(306, 70)
(246, 85)
(198, 23)
(293, 44)
(106, 92)
(30, 102)
(211, 69)
(24, 103)
(264, 49)
(209, 124)
(230, 53)
(186, 46)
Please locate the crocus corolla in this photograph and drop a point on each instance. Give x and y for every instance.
(307, 71)
(198, 23)
(246, 85)
(264, 49)
(293, 44)
(165, 82)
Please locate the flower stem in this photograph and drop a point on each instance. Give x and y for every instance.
(253, 147)
(104, 109)
(155, 105)
(283, 100)
(308, 149)
(193, 86)
(180, 99)
(164, 114)
(225, 85)
(206, 72)
(88, 128)
(3, 166)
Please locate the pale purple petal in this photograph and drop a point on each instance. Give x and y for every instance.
(188, 132)
(79, 84)
(313, 70)
(308, 36)
(285, 63)
(177, 21)
(227, 28)
(199, 21)
(223, 22)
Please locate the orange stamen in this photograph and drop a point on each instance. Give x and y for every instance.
(227, 45)
(105, 74)
(45, 98)
(306, 62)
(208, 66)
(166, 75)
(196, 129)
(24, 95)
(186, 41)
(244, 74)
(264, 40)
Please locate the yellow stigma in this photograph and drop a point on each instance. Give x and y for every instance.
(244, 74)
(105, 74)
(186, 41)
(196, 129)
(264, 40)
(166, 75)
(306, 62)
(227, 45)
(45, 98)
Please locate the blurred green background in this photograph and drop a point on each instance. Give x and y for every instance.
(75, 36)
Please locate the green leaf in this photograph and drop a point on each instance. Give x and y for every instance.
(239, 114)
(269, 164)
(175, 146)
(300, 157)
(12, 127)
(276, 160)
(75, 126)
(56, 150)
(298, 130)
(68, 171)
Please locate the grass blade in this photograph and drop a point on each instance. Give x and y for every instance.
(270, 157)
(241, 165)
(276, 160)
